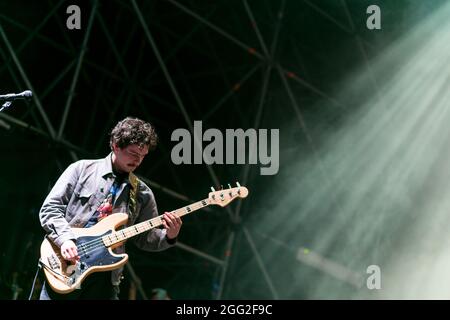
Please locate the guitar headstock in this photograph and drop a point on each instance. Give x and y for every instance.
(225, 196)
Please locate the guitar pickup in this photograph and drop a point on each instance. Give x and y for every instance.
(54, 262)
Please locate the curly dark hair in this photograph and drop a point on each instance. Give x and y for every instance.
(133, 131)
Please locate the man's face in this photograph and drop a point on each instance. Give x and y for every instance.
(127, 159)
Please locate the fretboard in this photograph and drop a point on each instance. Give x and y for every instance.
(126, 233)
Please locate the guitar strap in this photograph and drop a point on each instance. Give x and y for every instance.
(116, 275)
(133, 195)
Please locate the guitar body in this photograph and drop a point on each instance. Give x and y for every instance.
(95, 256)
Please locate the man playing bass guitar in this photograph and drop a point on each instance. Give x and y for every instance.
(91, 190)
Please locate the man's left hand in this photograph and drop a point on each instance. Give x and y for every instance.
(172, 224)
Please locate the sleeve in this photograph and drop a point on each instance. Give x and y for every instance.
(154, 239)
(53, 210)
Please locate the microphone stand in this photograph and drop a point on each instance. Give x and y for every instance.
(7, 104)
(16, 289)
(13, 96)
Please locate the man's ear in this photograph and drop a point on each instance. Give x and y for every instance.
(115, 148)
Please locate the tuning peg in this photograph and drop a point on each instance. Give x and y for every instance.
(212, 189)
(237, 183)
(229, 186)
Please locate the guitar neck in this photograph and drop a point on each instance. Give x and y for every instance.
(126, 233)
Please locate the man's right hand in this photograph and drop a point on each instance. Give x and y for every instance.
(69, 251)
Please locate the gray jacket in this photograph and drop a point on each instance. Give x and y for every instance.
(78, 193)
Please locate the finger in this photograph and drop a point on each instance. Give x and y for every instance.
(169, 220)
(68, 256)
(177, 224)
(73, 253)
(176, 220)
(168, 216)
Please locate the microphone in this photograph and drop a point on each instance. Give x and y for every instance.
(14, 96)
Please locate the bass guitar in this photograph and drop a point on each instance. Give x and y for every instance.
(95, 244)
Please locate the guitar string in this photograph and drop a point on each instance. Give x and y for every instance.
(91, 246)
(95, 242)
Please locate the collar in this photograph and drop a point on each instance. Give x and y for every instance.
(106, 169)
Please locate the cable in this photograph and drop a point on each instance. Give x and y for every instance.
(35, 278)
